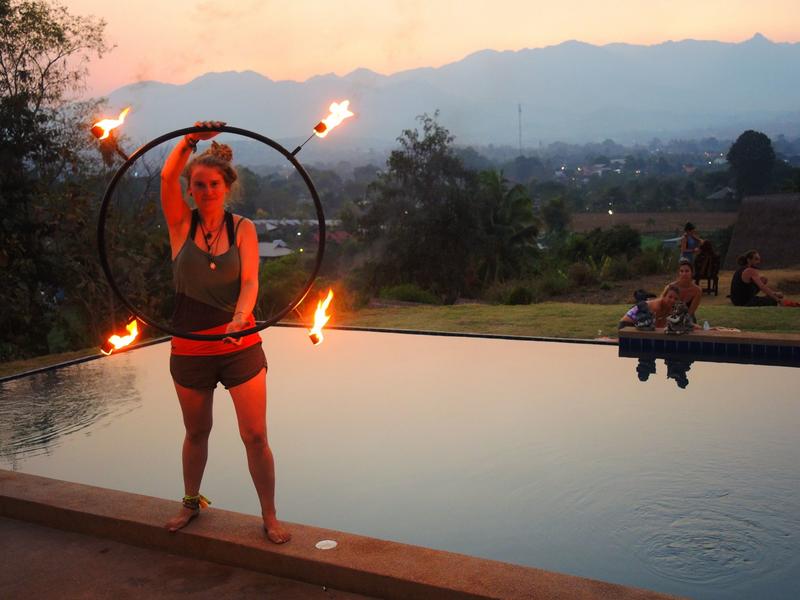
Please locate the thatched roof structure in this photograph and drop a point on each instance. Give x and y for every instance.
(771, 225)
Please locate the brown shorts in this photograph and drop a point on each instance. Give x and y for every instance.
(203, 372)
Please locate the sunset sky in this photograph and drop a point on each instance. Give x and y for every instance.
(177, 40)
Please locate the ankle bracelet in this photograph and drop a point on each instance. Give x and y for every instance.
(196, 502)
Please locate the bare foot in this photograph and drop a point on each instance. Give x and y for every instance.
(182, 519)
(276, 532)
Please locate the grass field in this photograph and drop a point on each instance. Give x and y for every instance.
(586, 313)
(555, 319)
(655, 222)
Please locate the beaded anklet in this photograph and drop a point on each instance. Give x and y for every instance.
(196, 502)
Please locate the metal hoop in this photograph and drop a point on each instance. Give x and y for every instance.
(101, 234)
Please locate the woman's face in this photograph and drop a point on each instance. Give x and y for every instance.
(754, 260)
(684, 273)
(669, 299)
(207, 187)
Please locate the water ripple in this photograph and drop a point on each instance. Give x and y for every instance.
(38, 412)
(710, 536)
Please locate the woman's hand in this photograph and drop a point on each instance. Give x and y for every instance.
(205, 135)
(237, 324)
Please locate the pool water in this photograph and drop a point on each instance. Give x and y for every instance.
(552, 455)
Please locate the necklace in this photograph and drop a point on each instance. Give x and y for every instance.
(211, 245)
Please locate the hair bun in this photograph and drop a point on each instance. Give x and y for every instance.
(221, 151)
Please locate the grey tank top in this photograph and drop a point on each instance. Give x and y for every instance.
(206, 297)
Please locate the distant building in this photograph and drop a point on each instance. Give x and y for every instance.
(274, 249)
(723, 194)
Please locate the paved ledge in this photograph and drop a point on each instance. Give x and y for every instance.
(41, 562)
(358, 564)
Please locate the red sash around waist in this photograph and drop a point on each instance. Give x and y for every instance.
(184, 347)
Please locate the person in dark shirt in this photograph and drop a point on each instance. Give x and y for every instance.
(747, 282)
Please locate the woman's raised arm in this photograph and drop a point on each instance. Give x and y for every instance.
(176, 210)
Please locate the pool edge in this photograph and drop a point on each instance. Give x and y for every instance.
(358, 564)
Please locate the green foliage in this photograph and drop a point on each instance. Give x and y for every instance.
(581, 274)
(43, 149)
(408, 292)
(429, 221)
(551, 283)
(279, 281)
(508, 228)
(752, 160)
(620, 240)
(615, 269)
(556, 215)
(651, 261)
(520, 295)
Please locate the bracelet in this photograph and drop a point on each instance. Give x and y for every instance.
(191, 143)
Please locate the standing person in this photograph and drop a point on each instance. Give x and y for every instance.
(690, 242)
(747, 281)
(690, 293)
(215, 267)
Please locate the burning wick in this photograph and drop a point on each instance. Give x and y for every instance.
(339, 111)
(102, 131)
(116, 342)
(320, 319)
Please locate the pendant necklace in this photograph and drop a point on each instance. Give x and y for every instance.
(211, 245)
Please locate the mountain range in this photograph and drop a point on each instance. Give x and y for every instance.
(573, 92)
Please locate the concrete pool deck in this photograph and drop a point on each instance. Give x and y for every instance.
(358, 565)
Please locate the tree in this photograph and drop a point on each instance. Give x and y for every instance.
(508, 239)
(752, 160)
(420, 219)
(555, 215)
(43, 56)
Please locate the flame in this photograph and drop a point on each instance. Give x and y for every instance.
(320, 319)
(106, 125)
(339, 112)
(115, 342)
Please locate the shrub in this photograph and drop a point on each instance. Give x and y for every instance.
(520, 295)
(580, 274)
(605, 286)
(615, 269)
(408, 292)
(551, 283)
(649, 262)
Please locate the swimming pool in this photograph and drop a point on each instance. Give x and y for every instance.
(552, 455)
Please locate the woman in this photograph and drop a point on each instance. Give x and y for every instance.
(747, 281)
(690, 243)
(660, 308)
(215, 266)
(690, 293)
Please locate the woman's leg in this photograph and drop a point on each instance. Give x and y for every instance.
(250, 402)
(196, 406)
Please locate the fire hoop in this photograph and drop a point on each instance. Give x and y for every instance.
(101, 233)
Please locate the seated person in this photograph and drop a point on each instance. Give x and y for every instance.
(690, 293)
(747, 282)
(660, 308)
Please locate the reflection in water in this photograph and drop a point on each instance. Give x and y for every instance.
(677, 370)
(37, 413)
(543, 454)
